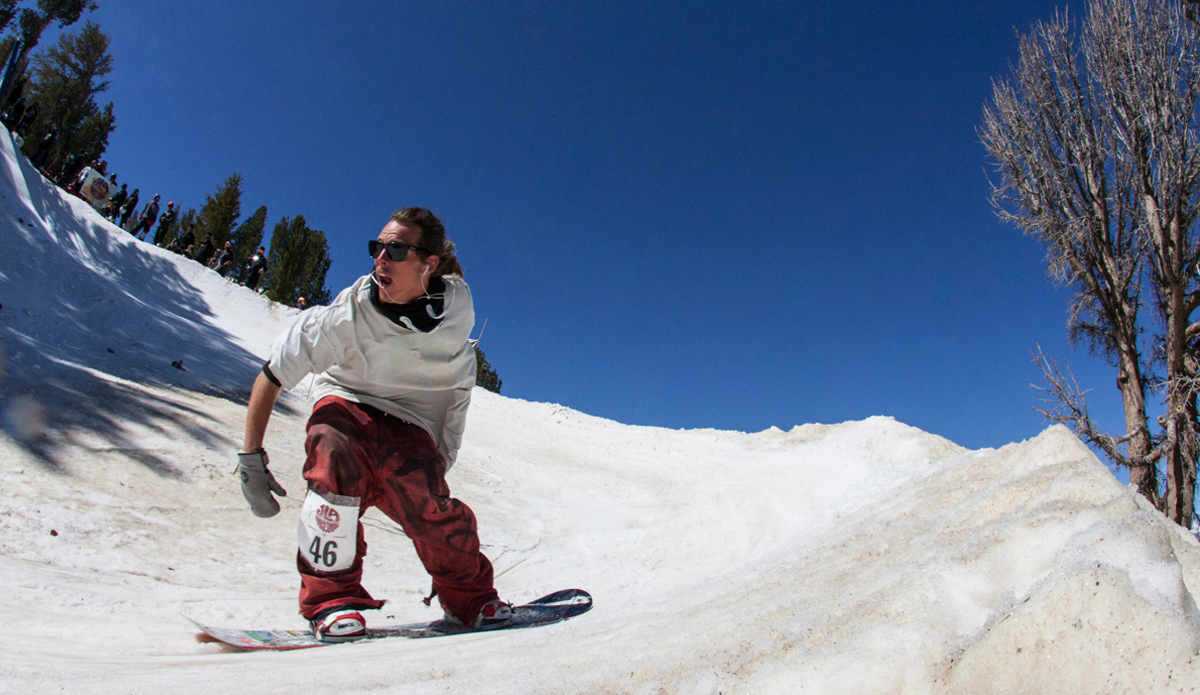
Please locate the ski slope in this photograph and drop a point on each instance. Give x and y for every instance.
(861, 557)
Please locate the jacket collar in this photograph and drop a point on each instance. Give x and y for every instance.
(423, 314)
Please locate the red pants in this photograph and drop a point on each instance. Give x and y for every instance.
(356, 450)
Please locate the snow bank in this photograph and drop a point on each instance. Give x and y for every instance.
(848, 558)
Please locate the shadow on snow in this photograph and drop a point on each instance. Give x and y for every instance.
(80, 300)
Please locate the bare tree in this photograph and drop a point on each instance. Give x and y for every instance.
(1096, 145)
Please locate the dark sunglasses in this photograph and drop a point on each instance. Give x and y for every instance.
(395, 250)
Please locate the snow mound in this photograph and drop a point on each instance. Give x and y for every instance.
(832, 558)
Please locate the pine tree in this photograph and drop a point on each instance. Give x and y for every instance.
(220, 211)
(65, 82)
(33, 22)
(189, 217)
(8, 12)
(297, 263)
(248, 237)
(485, 376)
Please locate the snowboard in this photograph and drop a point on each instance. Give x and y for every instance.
(546, 610)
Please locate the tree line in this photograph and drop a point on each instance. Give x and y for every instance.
(53, 94)
(298, 259)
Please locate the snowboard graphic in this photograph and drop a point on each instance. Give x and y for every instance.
(548, 609)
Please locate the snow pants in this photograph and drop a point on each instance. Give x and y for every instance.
(359, 456)
(143, 226)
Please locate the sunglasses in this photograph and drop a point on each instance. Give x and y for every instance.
(395, 250)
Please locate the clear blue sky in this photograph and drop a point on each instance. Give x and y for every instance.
(719, 214)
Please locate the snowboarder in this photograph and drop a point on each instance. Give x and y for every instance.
(394, 370)
(146, 221)
(164, 223)
(255, 268)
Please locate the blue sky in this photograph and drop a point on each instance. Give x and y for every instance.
(722, 214)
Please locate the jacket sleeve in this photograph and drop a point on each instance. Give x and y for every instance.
(307, 347)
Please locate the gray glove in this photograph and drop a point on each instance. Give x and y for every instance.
(258, 484)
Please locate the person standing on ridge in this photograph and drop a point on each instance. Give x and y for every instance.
(223, 263)
(128, 208)
(185, 241)
(146, 221)
(45, 148)
(394, 371)
(164, 223)
(205, 252)
(113, 209)
(255, 268)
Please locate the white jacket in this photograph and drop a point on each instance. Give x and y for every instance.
(363, 356)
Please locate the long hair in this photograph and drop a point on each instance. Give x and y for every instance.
(433, 238)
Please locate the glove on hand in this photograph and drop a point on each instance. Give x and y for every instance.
(258, 484)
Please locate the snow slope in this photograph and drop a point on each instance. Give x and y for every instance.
(862, 557)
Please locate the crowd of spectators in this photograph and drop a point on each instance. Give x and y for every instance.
(119, 206)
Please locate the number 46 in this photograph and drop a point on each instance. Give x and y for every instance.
(327, 556)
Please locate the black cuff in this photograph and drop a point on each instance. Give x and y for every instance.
(270, 376)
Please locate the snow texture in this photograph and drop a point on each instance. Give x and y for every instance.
(862, 557)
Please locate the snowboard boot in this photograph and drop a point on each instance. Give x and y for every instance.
(344, 625)
(494, 614)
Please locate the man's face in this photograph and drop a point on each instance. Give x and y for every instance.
(402, 281)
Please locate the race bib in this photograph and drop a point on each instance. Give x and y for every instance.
(328, 533)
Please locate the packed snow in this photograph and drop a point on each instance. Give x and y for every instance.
(861, 557)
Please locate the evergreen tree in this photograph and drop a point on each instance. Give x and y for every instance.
(190, 217)
(8, 11)
(485, 376)
(248, 237)
(33, 22)
(220, 211)
(65, 81)
(297, 263)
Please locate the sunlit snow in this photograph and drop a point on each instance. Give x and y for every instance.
(862, 557)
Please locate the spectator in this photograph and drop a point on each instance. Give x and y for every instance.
(205, 252)
(300, 304)
(113, 209)
(146, 221)
(70, 169)
(164, 223)
(31, 116)
(15, 115)
(255, 268)
(128, 208)
(47, 146)
(223, 263)
(184, 242)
